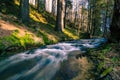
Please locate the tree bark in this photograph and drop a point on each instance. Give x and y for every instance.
(54, 7)
(38, 5)
(65, 13)
(60, 16)
(24, 6)
(93, 20)
(89, 16)
(115, 25)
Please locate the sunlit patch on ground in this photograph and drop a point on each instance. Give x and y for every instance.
(68, 33)
(49, 36)
(37, 17)
(6, 29)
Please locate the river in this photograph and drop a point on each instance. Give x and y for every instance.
(44, 62)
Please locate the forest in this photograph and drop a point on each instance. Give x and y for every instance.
(60, 39)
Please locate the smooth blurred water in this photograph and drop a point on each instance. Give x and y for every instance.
(42, 63)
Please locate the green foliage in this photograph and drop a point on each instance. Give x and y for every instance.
(104, 51)
(69, 3)
(100, 7)
(100, 66)
(45, 38)
(14, 39)
(116, 60)
(25, 40)
(9, 7)
(107, 58)
(106, 71)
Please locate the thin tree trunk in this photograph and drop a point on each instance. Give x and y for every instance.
(75, 19)
(45, 5)
(24, 6)
(93, 19)
(65, 13)
(105, 20)
(89, 13)
(38, 5)
(81, 18)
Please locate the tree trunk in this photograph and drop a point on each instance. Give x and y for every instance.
(115, 26)
(54, 7)
(38, 5)
(65, 13)
(93, 19)
(45, 5)
(60, 16)
(105, 20)
(89, 19)
(24, 6)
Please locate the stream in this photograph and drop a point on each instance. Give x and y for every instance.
(44, 62)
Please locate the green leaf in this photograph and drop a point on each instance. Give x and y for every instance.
(106, 71)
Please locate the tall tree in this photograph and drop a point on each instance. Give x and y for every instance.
(38, 5)
(115, 25)
(68, 4)
(24, 7)
(54, 7)
(89, 17)
(105, 19)
(60, 16)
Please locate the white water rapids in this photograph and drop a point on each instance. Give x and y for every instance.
(42, 63)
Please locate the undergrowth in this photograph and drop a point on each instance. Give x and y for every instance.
(105, 58)
(16, 41)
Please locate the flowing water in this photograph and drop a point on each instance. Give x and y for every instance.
(44, 62)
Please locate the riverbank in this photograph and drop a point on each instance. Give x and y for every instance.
(97, 64)
(107, 61)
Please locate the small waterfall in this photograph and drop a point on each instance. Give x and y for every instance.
(42, 63)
